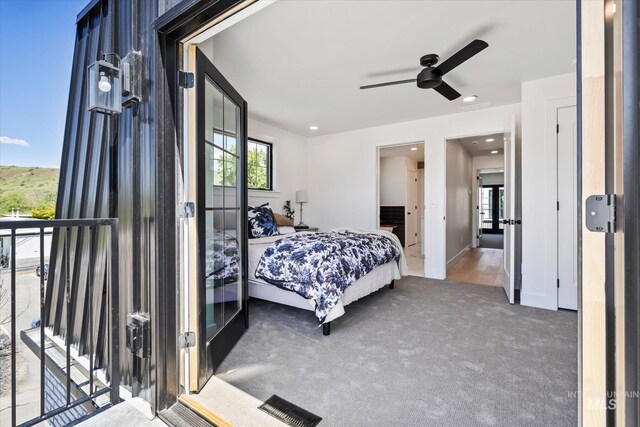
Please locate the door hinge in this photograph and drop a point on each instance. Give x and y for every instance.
(186, 80)
(557, 128)
(557, 206)
(601, 213)
(186, 209)
(558, 283)
(187, 340)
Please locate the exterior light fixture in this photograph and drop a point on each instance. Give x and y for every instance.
(494, 152)
(489, 139)
(414, 148)
(313, 127)
(470, 98)
(104, 86)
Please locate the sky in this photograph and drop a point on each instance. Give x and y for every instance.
(36, 50)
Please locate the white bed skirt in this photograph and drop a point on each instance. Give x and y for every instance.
(371, 282)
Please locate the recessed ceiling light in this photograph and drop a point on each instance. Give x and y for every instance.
(470, 98)
(414, 148)
(494, 152)
(313, 127)
(489, 139)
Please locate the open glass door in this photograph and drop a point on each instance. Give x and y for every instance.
(221, 216)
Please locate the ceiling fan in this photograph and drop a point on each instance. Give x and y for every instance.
(431, 77)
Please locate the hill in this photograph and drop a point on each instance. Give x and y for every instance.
(27, 188)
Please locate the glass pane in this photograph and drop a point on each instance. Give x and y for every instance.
(230, 144)
(501, 207)
(213, 99)
(232, 297)
(218, 156)
(263, 156)
(487, 208)
(209, 171)
(230, 165)
(231, 113)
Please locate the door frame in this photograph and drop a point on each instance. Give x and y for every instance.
(389, 144)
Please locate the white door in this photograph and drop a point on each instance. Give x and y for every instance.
(509, 211)
(411, 233)
(479, 210)
(567, 209)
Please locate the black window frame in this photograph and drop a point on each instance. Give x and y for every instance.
(269, 163)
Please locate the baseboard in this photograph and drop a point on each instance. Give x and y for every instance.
(453, 261)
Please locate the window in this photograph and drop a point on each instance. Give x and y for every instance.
(259, 165)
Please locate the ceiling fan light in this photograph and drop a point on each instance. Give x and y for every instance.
(470, 98)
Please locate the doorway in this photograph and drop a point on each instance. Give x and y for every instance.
(477, 217)
(401, 199)
(491, 210)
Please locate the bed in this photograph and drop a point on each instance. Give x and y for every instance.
(378, 277)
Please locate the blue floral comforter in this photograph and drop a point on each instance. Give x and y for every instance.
(320, 266)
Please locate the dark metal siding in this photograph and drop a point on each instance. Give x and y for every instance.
(109, 169)
(127, 167)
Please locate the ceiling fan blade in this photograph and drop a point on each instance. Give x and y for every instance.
(447, 91)
(399, 82)
(461, 56)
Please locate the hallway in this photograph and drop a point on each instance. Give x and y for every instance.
(482, 266)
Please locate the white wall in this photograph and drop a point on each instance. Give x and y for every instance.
(393, 181)
(289, 163)
(488, 162)
(539, 221)
(459, 188)
(342, 172)
(493, 178)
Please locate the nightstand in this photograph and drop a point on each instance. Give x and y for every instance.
(314, 229)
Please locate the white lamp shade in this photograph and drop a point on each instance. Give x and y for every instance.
(301, 196)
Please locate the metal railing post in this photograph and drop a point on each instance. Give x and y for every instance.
(115, 316)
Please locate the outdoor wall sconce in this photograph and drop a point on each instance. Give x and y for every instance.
(104, 86)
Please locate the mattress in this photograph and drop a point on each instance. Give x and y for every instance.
(374, 280)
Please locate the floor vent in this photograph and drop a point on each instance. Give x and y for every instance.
(180, 415)
(289, 413)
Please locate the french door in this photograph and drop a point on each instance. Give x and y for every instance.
(221, 134)
(492, 208)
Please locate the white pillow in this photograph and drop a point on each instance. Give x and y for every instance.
(285, 229)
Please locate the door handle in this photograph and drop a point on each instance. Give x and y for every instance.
(408, 213)
(505, 221)
(518, 221)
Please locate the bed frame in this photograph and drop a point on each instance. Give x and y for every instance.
(381, 276)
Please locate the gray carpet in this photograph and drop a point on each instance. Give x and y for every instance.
(427, 353)
(494, 241)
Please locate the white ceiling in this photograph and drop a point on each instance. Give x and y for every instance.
(478, 145)
(300, 63)
(404, 150)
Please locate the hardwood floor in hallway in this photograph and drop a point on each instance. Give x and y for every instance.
(482, 266)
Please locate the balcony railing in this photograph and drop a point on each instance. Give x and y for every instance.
(86, 367)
